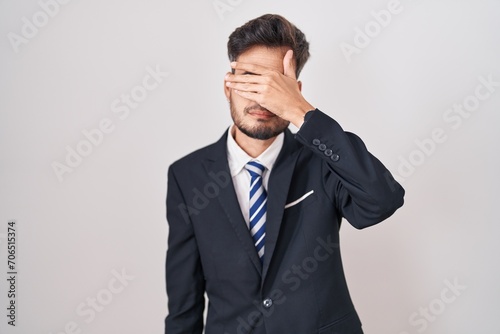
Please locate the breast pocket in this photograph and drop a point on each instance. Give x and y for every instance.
(302, 201)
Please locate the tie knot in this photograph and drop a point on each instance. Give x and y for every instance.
(255, 168)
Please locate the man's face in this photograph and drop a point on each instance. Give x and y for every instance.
(248, 116)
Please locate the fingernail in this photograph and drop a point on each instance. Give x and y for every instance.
(233, 64)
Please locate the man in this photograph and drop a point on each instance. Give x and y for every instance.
(254, 218)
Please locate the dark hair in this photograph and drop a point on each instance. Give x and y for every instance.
(269, 30)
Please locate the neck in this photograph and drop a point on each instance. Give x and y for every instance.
(253, 147)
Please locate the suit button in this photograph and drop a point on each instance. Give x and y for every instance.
(316, 142)
(328, 153)
(335, 157)
(322, 147)
(267, 303)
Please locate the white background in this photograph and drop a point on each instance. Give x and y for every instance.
(107, 215)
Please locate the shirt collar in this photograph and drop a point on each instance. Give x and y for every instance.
(237, 158)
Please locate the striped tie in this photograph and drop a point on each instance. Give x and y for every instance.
(258, 206)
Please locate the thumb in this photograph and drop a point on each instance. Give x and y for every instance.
(288, 67)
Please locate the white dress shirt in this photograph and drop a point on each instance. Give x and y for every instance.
(237, 159)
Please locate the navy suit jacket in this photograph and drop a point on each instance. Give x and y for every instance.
(322, 174)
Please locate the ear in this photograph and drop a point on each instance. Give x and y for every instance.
(227, 90)
(300, 85)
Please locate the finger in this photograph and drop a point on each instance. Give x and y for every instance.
(249, 95)
(288, 65)
(245, 87)
(247, 78)
(251, 68)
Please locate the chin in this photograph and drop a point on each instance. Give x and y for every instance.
(261, 131)
(262, 127)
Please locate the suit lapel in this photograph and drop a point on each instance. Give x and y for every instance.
(279, 184)
(228, 200)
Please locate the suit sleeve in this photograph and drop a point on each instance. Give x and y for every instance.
(184, 275)
(357, 183)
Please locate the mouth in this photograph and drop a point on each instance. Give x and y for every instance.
(260, 113)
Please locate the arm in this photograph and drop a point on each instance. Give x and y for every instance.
(184, 275)
(357, 182)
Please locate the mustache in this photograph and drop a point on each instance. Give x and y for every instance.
(255, 107)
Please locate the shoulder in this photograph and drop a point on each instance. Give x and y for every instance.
(196, 157)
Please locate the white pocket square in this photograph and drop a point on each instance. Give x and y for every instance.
(299, 200)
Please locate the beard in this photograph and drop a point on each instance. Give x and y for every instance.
(264, 130)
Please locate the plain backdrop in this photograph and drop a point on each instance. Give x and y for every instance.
(64, 75)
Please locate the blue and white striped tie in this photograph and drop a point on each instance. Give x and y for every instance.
(258, 207)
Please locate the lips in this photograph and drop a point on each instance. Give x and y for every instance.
(261, 113)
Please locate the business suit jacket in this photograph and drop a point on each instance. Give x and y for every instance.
(321, 175)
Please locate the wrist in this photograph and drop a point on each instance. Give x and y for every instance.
(300, 113)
